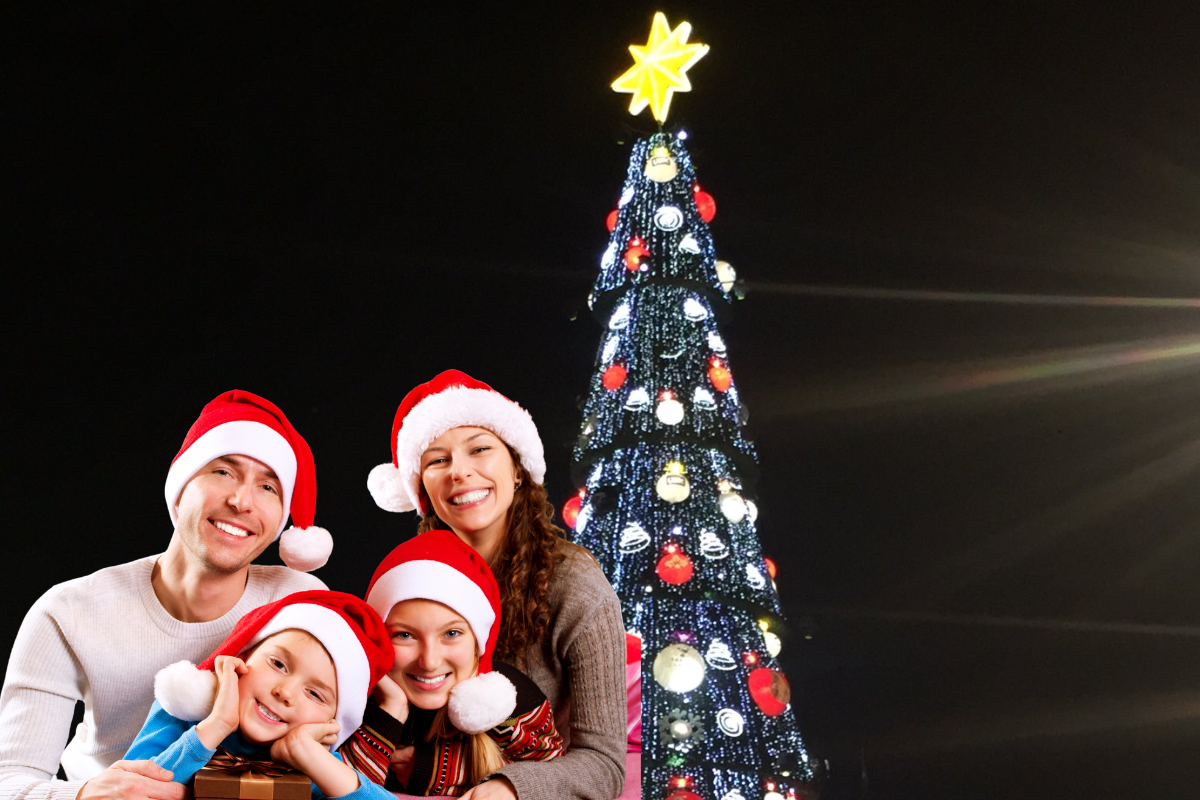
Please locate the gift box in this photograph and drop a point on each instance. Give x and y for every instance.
(244, 783)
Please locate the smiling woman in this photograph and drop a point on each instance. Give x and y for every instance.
(471, 461)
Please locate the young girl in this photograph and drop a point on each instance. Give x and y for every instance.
(463, 715)
(470, 460)
(291, 680)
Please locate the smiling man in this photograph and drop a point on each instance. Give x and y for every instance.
(102, 638)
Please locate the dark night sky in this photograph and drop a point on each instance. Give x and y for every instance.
(978, 478)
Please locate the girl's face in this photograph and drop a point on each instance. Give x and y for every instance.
(435, 651)
(289, 681)
(469, 476)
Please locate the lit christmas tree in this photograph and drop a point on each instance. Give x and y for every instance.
(666, 503)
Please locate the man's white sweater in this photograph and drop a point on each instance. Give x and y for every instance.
(101, 639)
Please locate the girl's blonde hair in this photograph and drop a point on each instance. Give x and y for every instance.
(481, 754)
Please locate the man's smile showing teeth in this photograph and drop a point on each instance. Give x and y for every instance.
(231, 530)
(470, 497)
(263, 710)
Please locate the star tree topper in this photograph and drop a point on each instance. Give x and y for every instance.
(659, 67)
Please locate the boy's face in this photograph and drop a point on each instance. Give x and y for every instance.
(435, 650)
(289, 681)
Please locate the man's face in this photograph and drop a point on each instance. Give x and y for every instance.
(229, 511)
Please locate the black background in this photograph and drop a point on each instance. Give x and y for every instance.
(981, 495)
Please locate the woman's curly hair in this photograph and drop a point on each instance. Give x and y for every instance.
(522, 566)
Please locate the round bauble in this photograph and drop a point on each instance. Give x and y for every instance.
(732, 506)
(705, 204)
(675, 567)
(679, 668)
(769, 690)
(611, 220)
(661, 166)
(726, 274)
(673, 488)
(570, 511)
(614, 376)
(669, 411)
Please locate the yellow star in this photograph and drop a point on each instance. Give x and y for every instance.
(659, 67)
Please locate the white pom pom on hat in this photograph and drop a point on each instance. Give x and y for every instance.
(450, 400)
(241, 423)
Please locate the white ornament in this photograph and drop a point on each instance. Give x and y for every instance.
(673, 488)
(668, 218)
(669, 411)
(774, 644)
(619, 318)
(719, 656)
(733, 794)
(661, 166)
(610, 256)
(679, 668)
(694, 310)
(733, 506)
(638, 399)
(626, 196)
(731, 723)
(688, 244)
(703, 399)
(755, 577)
(712, 547)
(773, 796)
(726, 274)
(716, 343)
(610, 348)
(585, 516)
(634, 538)
(751, 510)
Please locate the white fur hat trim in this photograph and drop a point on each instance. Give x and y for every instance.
(305, 549)
(481, 703)
(239, 437)
(454, 407)
(438, 581)
(185, 692)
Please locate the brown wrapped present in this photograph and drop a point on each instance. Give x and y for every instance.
(231, 777)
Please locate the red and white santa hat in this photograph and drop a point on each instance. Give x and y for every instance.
(348, 628)
(450, 400)
(439, 566)
(241, 423)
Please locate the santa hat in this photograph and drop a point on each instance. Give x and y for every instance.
(349, 629)
(439, 566)
(240, 423)
(450, 400)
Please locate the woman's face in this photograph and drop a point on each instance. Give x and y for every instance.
(435, 651)
(469, 476)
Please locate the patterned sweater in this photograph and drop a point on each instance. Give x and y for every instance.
(439, 767)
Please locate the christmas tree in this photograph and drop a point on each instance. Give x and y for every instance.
(666, 499)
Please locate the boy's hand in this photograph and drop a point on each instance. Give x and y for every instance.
(223, 720)
(391, 698)
(304, 742)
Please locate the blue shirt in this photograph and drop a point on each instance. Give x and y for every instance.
(174, 744)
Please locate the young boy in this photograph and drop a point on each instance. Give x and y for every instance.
(290, 681)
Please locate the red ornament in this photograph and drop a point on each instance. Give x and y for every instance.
(684, 794)
(611, 220)
(769, 690)
(634, 256)
(675, 567)
(771, 568)
(705, 204)
(614, 376)
(571, 508)
(719, 374)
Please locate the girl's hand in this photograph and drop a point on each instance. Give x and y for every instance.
(391, 698)
(401, 764)
(498, 788)
(223, 720)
